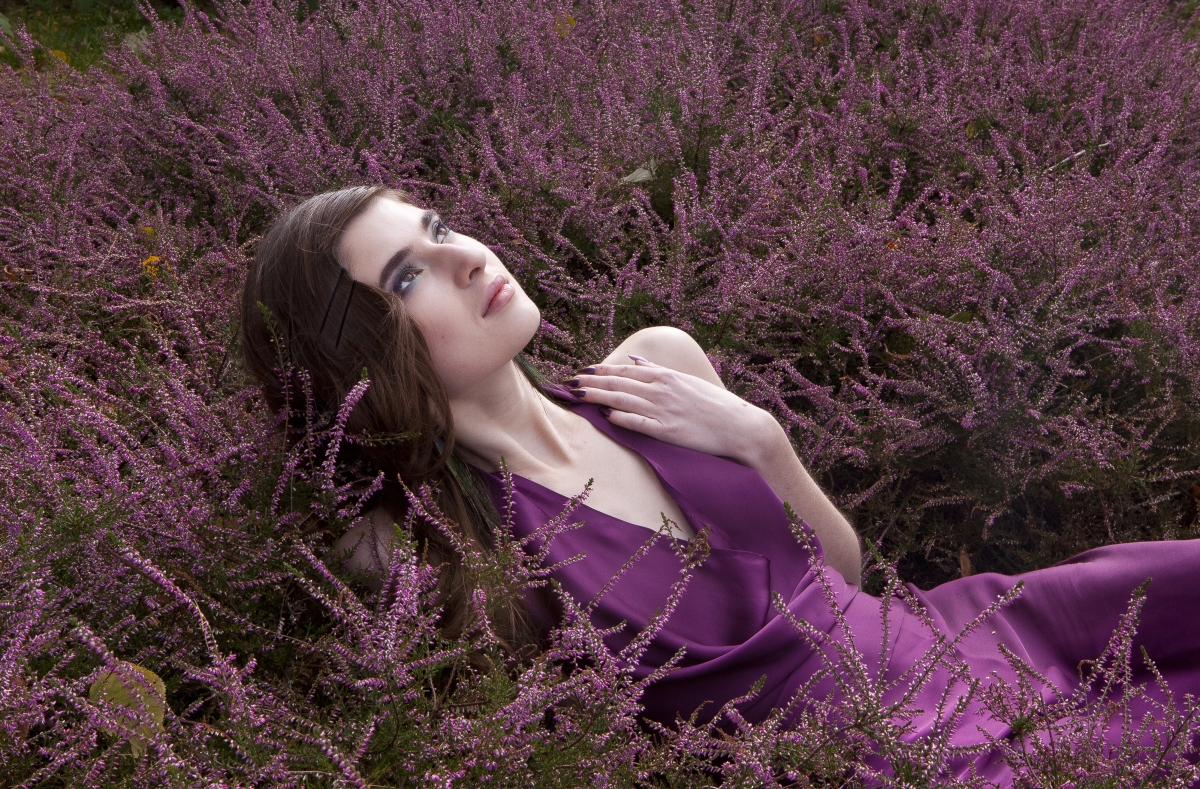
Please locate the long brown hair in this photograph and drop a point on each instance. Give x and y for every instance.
(298, 289)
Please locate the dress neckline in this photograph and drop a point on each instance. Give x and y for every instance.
(591, 413)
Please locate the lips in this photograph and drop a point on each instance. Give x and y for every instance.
(496, 295)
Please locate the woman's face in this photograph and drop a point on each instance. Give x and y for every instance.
(474, 316)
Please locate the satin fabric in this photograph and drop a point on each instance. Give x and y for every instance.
(734, 635)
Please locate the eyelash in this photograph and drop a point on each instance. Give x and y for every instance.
(400, 283)
(438, 233)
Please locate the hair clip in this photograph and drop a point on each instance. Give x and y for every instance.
(332, 296)
(345, 310)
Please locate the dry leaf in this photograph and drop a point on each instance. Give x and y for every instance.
(643, 173)
(137, 689)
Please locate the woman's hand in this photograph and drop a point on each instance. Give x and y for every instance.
(688, 411)
(679, 409)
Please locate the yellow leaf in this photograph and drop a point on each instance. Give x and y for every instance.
(148, 264)
(58, 53)
(563, 25)
(138, 690)
(149, 231)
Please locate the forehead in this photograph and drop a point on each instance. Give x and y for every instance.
(374, 235)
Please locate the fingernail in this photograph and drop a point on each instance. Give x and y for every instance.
(573, 383)
(588, 371)
(637, 358)
(605, 410)
(578, 393)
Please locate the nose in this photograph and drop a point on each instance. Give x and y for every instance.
(465, 263)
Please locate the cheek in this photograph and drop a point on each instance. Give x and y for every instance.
(456, 345)
(448, 339)
(463, 350)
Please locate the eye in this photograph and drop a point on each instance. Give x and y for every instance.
(440, 231)
(405, 279)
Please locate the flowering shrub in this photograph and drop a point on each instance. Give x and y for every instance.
(951, 246)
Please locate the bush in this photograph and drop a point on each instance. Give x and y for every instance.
(951, 246)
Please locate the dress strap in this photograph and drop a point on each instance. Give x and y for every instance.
(653, 451)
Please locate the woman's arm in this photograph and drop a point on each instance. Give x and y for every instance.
(678, 397)
(783, 471)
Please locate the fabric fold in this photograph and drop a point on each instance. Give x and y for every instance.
(733, 634)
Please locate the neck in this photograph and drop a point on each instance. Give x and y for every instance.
(505, 416)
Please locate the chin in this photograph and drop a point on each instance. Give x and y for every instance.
(527, 319)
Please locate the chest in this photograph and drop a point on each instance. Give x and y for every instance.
(624, 486)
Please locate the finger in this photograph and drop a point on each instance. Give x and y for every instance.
(622, 401)
(618, 383)
(638, 360)
(638, 422)
(636, 372)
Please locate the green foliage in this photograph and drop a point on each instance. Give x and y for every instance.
(80, 31)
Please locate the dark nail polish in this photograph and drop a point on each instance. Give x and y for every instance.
(573, 383)
(578, 393)
(588, 371)
(605, 410)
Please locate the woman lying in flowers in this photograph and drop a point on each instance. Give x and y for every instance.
(362, 278)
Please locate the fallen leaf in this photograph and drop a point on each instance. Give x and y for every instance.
(643, 173)
(564, 25)
(13, 274)
(136, 42)
(22, 729)
(137, 689)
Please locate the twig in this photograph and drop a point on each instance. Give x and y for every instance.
(1075, 156)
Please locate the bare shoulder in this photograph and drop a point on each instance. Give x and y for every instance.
(669, 347)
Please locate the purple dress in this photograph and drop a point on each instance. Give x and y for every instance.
(734, 635)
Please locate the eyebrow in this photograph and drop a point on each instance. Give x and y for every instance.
(398, 259)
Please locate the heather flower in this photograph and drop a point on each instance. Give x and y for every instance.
(952, 247)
